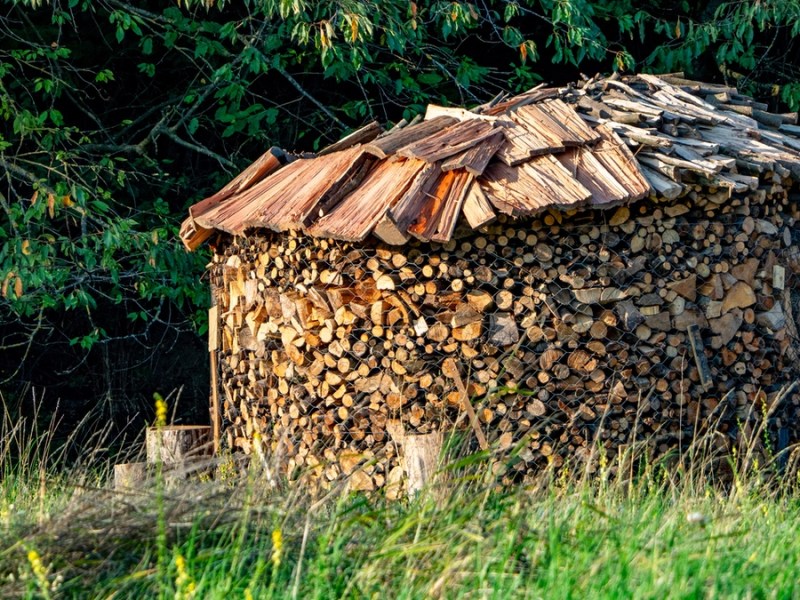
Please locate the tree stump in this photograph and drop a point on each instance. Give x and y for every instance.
(175, 445)
(422, 462)
(129, 476)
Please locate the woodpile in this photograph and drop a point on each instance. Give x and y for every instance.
(602, 265)
(652, 323)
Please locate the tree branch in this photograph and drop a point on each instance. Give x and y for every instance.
(25, 174)
(308, 96)
(197, 148)
(294, 83)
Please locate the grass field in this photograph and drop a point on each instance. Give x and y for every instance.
(664, 534)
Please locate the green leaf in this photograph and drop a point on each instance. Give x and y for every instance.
(511, 10)
(104, 75)
(148, 69)
(100, 206)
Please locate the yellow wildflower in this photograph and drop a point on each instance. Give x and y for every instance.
(161, 410)
(40, 572)
(184, 585)
(277, 547)
(36, 563)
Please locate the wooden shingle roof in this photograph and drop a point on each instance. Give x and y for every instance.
(600, 143)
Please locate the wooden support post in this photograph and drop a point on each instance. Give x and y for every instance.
(214, 409)
(213, 344)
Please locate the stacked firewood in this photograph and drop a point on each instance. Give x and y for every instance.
(652, 323)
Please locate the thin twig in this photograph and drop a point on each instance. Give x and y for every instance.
(197, 148)
(296, 586)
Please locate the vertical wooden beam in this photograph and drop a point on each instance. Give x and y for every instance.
(213, 344)
(213, 328)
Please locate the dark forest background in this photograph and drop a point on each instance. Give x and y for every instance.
(116, 116)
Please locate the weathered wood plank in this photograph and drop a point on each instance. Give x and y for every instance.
(619, 161)
(392, 228)
(452, 140)
(591, 173)
(566, 117)
(360, 136)
(476, 159)
(477, 209)
(358, 213)
(427, 211)
(388, 144)
(453, 204)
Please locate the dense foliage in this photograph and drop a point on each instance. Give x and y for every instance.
(115, 116)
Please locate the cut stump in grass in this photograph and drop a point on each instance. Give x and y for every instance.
(129, 476)
(175, 445)
(422, 453)
(180, 449)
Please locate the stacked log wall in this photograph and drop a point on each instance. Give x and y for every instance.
(651, 323)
